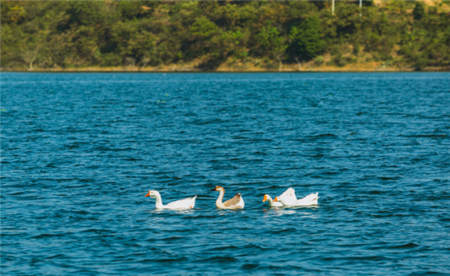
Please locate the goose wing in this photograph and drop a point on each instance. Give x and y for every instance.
(288, 196)
(233, 201)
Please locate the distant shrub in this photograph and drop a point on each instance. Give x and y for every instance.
(306, 42)
(318, 60)
(419, 11)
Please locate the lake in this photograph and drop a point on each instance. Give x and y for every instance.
(79, 151)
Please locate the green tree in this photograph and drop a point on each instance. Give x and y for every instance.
(12, 12)
(204, 34)
(305, 40)
(419, 11)
(269, 42)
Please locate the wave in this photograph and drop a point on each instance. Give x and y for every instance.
(220, 259)
(404, 246)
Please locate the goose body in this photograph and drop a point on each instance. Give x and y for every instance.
(236, 202)
(290, 200)
(286, 196)
(182, 204)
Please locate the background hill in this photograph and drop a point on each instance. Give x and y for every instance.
(224, 35)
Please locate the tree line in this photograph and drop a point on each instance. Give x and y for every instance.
(71, 34)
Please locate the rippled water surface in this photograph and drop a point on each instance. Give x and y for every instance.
(80, 151)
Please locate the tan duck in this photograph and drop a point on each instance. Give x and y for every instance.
(236, 202)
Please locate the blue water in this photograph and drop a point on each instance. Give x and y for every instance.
(80, 151)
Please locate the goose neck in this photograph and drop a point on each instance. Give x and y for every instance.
(219, 201)
(159, 203)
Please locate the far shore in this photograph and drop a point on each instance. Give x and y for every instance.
(366, 67)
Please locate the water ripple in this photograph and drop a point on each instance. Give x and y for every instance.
(80, 151)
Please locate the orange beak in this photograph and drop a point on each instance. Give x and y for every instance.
(276, 199)
(148, 194)
(264, 198)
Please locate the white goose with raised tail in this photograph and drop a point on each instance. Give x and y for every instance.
(286, 196)
(182, 204)
(290, 200)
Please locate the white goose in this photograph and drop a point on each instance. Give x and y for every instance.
(290, 200)
(236, 202)
(286, 196)
(182, 204)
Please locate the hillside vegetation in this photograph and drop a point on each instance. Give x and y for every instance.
(224, 35)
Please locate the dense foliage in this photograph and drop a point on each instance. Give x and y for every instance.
(68, 34)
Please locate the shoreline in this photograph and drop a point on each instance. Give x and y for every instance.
(226, 69)
(250, 65)
(233, 71)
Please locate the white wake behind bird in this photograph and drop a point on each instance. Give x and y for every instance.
(289, 199)
(182, 204)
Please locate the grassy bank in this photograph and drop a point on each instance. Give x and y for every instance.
(239, 66)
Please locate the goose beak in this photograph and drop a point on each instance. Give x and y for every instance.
(214, 189)
(264, 198)
(276, 199)
(148, 194)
